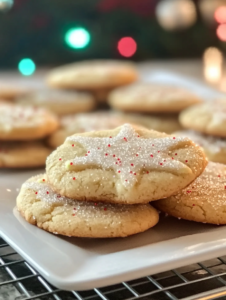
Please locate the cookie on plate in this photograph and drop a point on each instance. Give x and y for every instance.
(126, 165)
(158, 122)
(40, 206)
(149, 97)
(93, 75)
(25, 123)
(86, 122)
(23, 154)
(214, 147)
(204, 200)
(208, 118)
(60, 102)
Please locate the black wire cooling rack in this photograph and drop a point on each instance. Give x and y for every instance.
(206, 280)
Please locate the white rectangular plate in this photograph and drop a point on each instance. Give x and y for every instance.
(75, 263)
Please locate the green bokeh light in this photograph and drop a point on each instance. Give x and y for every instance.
(77, 38)
(26, 66)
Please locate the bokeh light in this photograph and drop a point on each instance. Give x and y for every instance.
(127, 46)
(221, 32)
(77, 38)
(213, 60)
(220, 14)
(26, 66)
(176, 14)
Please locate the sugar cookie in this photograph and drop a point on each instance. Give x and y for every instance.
(40, 206)
(93, 75)
(214, 147)
(79, 123)
(149, 97)
(204, 200)
(208, 118)
(25, 123)
(158, 122)
(126, 165)
(23, 154)
(60, 102)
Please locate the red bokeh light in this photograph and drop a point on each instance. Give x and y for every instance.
(127, 46)
(220, 14)
(221, 32)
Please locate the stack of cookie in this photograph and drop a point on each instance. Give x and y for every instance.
(99, 184)
(206, 124)
(21, 129)
(158, 103)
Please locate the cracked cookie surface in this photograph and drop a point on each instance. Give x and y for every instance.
(208, 118)
(42, 207)
(126, 165)
(202, 201)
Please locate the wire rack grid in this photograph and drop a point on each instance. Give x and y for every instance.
(204, 281)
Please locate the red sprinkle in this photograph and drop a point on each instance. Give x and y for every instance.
(186, 161)
(138, 136)
(131, 172)
(113, 155)
(60, 158)
(95, 203)
(125, 139)
(153, 145)
(110, 137)
(88, 152)
(125, 179)
(175, 153)
(109, 145)
(71, 163)
(188, 192)
(118, 158)
(193, 204)
(72, 145)
(74, 208)
(134, 173)
(74, 178)
(119, 171)
(47, 192)
(174, 137)
(219, 176)
(136, 154)
(106, 154)
(147, 172)
(73, 215)
(116, 163)
(172, 158)
(160, 164)
(132, 165)
(158, 151)
(105, 208)
(225, 187)
(151, 155)
(36, 193)
(43, 180)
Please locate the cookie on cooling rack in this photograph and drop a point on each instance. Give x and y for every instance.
(60, 102)
(23, 154)
(149, 97)
(204, 200)
(25, 123)
(40, 206)
(126, 165)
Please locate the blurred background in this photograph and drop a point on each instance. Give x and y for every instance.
(55, 32)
